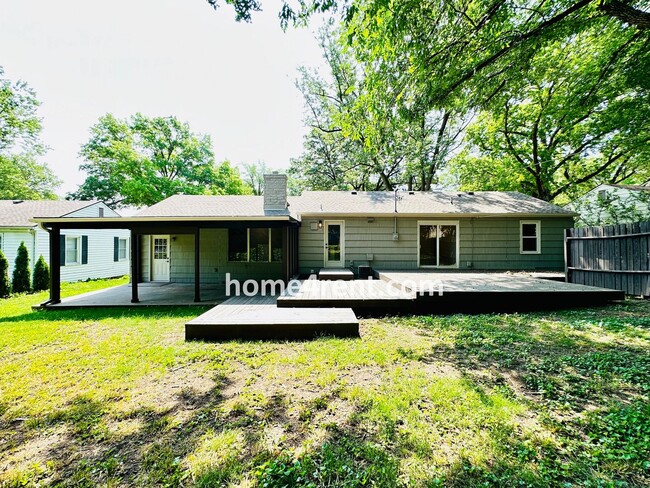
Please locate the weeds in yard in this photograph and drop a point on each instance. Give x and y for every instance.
(118, 398)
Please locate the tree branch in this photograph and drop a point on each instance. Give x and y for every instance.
(626, 13)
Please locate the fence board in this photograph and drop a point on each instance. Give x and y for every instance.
(614, 256)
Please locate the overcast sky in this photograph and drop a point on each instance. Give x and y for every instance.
(234, 81)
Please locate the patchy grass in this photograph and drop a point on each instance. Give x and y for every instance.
(118, 398)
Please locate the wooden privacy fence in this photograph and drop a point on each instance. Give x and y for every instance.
(613, 256)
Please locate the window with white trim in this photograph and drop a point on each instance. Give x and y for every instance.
(530, 237)
(72, 250)
(121, 249)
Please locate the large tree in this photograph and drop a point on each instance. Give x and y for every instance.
(470, 51)
(140, 161)
(363, 137)
(22, 176)
(570, 123)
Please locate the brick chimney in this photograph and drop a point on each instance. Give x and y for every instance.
(275, 191)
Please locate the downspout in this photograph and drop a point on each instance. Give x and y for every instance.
(395, 235)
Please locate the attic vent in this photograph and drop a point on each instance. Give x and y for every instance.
(353, 192)
(16, 202)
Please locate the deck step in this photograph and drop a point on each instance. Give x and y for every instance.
(342, 274)
(259, 318)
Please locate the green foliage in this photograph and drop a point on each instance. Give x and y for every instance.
(23, 178)
(467, 53)
(254, 176)
(361, 136)
(141, 161)
(570, 123)
(163, 467)
(621, 436)
(20, 282)
(343, 462)
(41, 275)
(5, 286)
(20, 127)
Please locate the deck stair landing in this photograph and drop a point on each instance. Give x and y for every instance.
(258, 317)
(359, 295)
(339, 274)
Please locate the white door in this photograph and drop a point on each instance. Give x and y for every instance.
(160, 262)
(334, 244)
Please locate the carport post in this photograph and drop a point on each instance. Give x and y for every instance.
(135, 266)
(197, 264)
(55, 265)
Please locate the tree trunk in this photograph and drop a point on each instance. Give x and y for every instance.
(626, 13)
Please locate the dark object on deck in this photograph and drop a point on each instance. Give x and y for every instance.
(365, 272)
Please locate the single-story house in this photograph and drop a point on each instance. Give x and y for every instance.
(200, 238)
(613, 204)
(85, 253)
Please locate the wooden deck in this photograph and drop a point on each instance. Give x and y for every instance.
(444, 292)
(151, 295)
(357, 294)
(259, 317)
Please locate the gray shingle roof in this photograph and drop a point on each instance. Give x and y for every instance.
(359, 203)
(209, 206)
(16, 213)
(434, 203)
(645, 187)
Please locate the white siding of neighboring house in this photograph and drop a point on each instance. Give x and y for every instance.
(630, 205)
(101, 262)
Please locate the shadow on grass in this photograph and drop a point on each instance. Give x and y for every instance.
(371, 445)
(88, 314)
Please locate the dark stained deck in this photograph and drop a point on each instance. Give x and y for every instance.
(356, 294)
(429, 292)
(258, 317)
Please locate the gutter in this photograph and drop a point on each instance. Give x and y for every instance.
(435, 215)
(274, 218)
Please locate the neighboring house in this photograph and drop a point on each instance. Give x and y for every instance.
(199, 238)
(613, 204)
(85, 253)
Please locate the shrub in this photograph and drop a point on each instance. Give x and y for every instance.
(5, 286)
(21, 282)
(41, 275)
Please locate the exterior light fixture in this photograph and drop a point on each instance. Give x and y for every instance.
(320, 224)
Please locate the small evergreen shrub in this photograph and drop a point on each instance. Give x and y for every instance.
(5, 286)
(41, 275)
(21, 282)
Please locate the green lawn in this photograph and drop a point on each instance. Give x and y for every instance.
(118, 398)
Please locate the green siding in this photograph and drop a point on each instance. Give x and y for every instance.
(214, 262)
(485, 243)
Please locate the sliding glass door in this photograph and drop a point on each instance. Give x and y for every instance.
(438, 244)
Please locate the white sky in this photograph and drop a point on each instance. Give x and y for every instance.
(234, 81)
